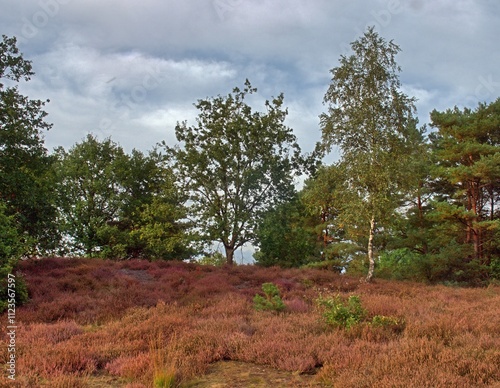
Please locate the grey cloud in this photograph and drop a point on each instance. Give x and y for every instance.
(133, 69)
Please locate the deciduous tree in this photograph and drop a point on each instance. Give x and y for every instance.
(24, 164)
(90, 193)
(284, 238)
(235, 164)
(117, 205)
(372, 122)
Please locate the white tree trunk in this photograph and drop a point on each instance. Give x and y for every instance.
(371, 259)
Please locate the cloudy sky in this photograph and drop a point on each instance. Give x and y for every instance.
(132, 69)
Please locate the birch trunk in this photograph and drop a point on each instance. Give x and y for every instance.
(371, 259)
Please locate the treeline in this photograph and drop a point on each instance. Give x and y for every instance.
(443, 227)
(402, 202)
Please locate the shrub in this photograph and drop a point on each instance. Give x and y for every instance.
(402, 264)
(11, 248)
(271, 301)
(494, 268)
(342, 314)
(382, 320)
(395, 324)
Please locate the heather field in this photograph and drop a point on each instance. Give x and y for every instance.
(96, 323)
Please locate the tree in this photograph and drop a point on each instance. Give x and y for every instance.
(467, 150)
(161, 230)
(153, 215)
(115, 205)
(373, 123)
(24, 164)
(283, 237)
(324, 196)
(320, 196)
(90, 194)
(235, 164)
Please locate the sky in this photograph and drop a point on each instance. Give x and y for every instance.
(131, 70)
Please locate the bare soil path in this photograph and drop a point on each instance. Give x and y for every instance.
(233, 374)
(229, 374)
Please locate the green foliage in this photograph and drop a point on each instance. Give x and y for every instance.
(494, 268)
(216, 259)
(372, 123)
(283, 238)
(112, 241)
(10, 239)
(90, 193)
(394, 324)
(271, 301)
(401, 264)
(426, 211)
(235, 164)
(332, 265)
(25, 183)
(11, 248)
(342, 314)
(347, 314)
(383, 320)
(116, 205)
(321, 199)
(466, 150)
(159, 232)
(452, 227)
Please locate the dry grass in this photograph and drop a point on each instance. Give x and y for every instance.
(137, 323)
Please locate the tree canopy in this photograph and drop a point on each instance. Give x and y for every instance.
(400, 202)
(24, 161)
(118, 205)
(467, 150)
(372, 122)
(235, 164)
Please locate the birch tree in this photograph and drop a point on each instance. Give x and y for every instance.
(372, 123)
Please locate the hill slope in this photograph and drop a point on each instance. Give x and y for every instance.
(94, 323)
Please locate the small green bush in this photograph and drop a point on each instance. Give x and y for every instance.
(342, 314)
(494, 268)
(271, 301)
(390, 322)
(12, 245)
(21, 289)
